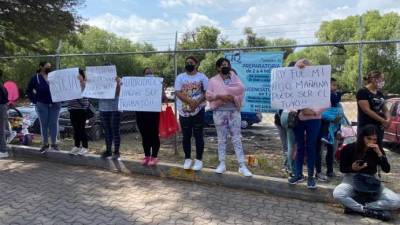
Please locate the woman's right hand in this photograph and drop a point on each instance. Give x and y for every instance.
(357, 166)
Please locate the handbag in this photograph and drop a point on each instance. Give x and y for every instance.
(366, 184)
(293, 119)
(168, 124)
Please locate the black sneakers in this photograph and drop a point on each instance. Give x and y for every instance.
(44, 149)
(54, 148)
(106, 155)
(378, 214)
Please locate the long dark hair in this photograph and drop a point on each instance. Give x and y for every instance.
(368, 130)
(82, 73)
(220, 61)
(41, 65)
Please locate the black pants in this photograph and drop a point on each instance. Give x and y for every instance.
(78, 121)
(111, 123)
(148, 123)
(193, 125)
(329, 151)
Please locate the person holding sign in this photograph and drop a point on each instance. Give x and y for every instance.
(306, 130)
(370, 105)
(111, 119)
(148, 124)
(225, 93)
(77, 112)
(190, 89)
(38, 92)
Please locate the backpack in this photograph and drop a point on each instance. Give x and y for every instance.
(3, 95)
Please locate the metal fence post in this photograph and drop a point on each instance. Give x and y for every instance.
(176, 74)
(360, 55)
(58, 57)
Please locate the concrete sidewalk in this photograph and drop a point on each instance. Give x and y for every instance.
(264, 184)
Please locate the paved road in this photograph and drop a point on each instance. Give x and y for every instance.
(37, 192)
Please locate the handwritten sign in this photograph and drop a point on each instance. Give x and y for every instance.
(100, 82)
(254, 70)
(64, 85)
(294, 88)
(140, 94)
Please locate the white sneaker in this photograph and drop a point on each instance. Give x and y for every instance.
(187, 164)
(83, 151)
(198, 165)
(74, 151)
(221, 168)
(3, 155)
(245, 172)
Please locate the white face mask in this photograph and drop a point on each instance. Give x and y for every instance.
(381, 84)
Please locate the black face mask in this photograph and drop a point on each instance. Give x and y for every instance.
(47, 70)
(225, 70)
(189, 68)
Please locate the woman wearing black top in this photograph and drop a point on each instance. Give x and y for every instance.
(364, 157)
(370, 105)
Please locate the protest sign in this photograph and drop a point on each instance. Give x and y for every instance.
(254, 70)
(100, 82)
(294, 88)
(140, 94)
(64, 85)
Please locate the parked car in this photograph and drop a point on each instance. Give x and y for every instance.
(248, 118)
(392, 134)
(93, 125)
(170, 93)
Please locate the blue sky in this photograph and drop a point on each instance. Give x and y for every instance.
(155, 21)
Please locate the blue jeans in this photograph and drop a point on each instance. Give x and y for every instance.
(48, 118)
(287, 137)
(306, 133)
(111, 124)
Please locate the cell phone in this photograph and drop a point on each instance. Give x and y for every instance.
(360, 162)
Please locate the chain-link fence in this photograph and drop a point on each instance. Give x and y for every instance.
(259, 134)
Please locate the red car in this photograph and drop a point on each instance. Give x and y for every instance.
(392, 134)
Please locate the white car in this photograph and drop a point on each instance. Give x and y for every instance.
(170, 93)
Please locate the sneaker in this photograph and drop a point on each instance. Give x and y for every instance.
(44, 149)
(245, 172)
(152, 161)
(82, 151)
(116, 156)
(3, 155)
(221, 168)
(377, 214)
(54, 147)
(198, 165)
(321, 177)
(75, 151)
(331, 174)
(106, 155)
(311, 183)
(296, 180)
(187, 164)
(145, 161)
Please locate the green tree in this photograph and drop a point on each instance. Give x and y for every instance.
(35, 25)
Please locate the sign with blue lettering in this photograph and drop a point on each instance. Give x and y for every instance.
(254, 70)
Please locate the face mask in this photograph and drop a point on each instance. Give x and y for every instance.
(381, 84)
(189, 68)
(47, 70)
(225, 70)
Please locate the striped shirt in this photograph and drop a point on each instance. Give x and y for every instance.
(82, 103)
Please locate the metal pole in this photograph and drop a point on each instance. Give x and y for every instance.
(176, 74)
(58, 57)
(360, 55)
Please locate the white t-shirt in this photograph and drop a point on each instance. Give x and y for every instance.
(194, 87)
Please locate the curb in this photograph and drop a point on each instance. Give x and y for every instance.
(264, 184)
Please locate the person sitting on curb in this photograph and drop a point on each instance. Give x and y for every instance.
(359, 162)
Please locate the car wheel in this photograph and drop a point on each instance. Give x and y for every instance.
(244, 124)
(95, 133)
